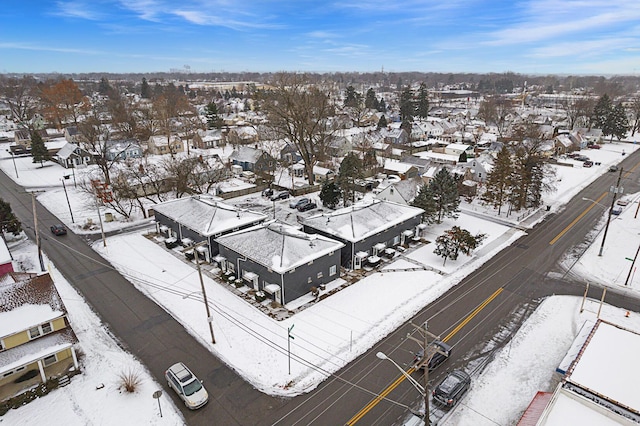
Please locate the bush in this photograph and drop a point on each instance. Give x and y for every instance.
(26, 376)
(130, 380)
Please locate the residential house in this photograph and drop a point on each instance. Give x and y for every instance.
(438, 157)
(191, 220)
(72, 156)
(402, 192)
(253, 160)
(280, 260)
(123, 149)
(160, 145)
(404, 170)
(242, 135)
(563, 144)
(590, 136)
(71, 134)
(395, 136)
(458, 149)
(289, 154)
(366, 228)
(204, 139)
(36, 340)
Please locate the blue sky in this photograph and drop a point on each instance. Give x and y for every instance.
(532, 37)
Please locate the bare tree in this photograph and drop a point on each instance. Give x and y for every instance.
(19, 93)
(299, 112)
(496, 110)
(63, 102)
(578, 110)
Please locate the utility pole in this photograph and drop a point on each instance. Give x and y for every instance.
(67, 197)
(35, 226)
(615, 191)
(632, 265)
(428, 352)
(204, 292)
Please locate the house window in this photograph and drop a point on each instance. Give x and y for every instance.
(7, 374)
(309, 280)
(332, 270)
(50, 360)
(46, 328)
(319, 275)
(34, 332)
(2, 348)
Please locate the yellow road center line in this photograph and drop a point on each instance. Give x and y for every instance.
(577, 219)
(400, 379)
(473, 314)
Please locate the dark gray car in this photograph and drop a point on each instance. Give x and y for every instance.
(437, 358)
(451, 389)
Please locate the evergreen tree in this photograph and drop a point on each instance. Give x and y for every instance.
(455, 241)
(498, 184)
(352, 98)
(601, 112)
(330, 194)
(382, 123)
(39, 151)
(370, 100)
(407, 107)
(445, 190)
(382, 106)
(145, 91)
(213, 119)
(617, 123)
(422, 109)
(350, 170)
(426, 201)
(8, 220)
(104, 88)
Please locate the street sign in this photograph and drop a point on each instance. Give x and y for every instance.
(157, 394)
(629, 259)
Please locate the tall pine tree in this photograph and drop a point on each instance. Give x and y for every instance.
(498, 184)
(422, 109)
(439, 199)
(39, 151)
(618, 124)
(370, 100)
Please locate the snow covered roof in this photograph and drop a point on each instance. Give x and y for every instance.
(66, 150)
(363, 219)
(27, 300)
(397, 166)
(437, 156)
(606, 368)
(246, 154)
(37, 349)
(207, 216)
(278, 246)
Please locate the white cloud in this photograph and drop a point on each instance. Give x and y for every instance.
(75, 9)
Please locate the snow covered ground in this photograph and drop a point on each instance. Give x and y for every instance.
(350, 328)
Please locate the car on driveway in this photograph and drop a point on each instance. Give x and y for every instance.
(294, 204)
(282, 195)
(452, 388)
(58, 230)
(307, 206)
(588, 163)
(437, 358)
(188, 387)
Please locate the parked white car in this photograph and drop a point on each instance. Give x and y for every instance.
(188, 387)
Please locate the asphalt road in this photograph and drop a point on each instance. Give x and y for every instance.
(514, 281)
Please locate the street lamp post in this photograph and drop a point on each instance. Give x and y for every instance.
(414, 382)
(13, 157)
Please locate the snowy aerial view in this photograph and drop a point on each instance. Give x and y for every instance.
(96, 396)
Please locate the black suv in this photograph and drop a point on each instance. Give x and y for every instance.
(451, 389)
(280, 196)
(437, 358)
